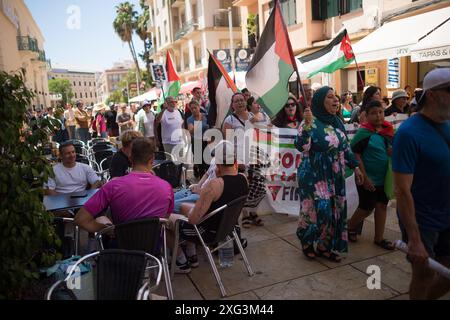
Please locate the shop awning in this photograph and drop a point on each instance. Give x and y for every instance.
(434, 46)
(151, 95)
(395, 39)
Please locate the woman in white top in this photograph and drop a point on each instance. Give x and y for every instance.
(239, 116)
(257, 116)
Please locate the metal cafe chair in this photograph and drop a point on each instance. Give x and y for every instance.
(148, 235)
(229, 215)
(118, 275)
(171, 172)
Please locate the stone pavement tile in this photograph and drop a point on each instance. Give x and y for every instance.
(243, 296)
(364, 248)
(293, 240)
(256, 234)
(277, 218)
(344, 283)
(402, 297)
(272, 260)
(283, 229)
(395, 270)
(183, 288)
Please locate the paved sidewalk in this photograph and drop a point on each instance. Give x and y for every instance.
(282, 271)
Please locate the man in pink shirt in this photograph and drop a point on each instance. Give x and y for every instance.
(137, 195)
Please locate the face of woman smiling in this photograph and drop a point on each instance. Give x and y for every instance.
(239, 103)
(331, 102)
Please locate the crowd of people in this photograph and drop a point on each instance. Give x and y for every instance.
(418, 154)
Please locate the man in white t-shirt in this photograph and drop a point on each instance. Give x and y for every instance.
(171, 125)
(71, 176)
(146, 121)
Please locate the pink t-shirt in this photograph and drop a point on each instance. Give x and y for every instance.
(101, 119)
(135, 196)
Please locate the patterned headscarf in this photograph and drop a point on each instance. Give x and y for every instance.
(319, 111)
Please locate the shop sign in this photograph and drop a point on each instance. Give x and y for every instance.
(224, 56)
(372, 77)
(393, 73)
(431, 54)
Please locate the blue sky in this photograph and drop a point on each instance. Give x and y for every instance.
(94, 45)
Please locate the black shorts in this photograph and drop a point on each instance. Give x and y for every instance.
(368, 199)
(437, 243)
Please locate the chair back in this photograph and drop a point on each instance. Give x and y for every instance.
(99, 156)
(143, 235)
(106, 163)
(161, 155)
(170, 172)
(102, 146)
(228, 218)
(119, 274)
(82, 159)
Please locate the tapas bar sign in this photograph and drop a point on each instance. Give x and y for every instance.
(431, 54)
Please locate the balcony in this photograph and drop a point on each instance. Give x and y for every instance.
(42, 56)
(221, 20)
(27, 44)
(185, 29)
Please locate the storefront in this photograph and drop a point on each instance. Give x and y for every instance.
(399, 53)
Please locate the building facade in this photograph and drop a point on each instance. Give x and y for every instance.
(313, 23)
(22, 47)
(188, 29)
(108, 81)
(84, 84)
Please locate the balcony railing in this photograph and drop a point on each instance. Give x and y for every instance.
(221, 20)
(185, 29)
(42, 56)
(27, 44)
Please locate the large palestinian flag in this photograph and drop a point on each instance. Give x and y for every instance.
(336, 55)
(272, 65)
(173, 81)
(221, 89)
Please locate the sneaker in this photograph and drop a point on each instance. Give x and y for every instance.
(182, 268)
(193, 261)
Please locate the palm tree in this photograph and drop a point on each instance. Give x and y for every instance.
(124, 24)
(141, 30)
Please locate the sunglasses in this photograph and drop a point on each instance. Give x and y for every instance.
(288, 105)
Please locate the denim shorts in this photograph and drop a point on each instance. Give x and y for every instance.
(437, 243)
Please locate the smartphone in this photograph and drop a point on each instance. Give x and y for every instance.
(80, 196)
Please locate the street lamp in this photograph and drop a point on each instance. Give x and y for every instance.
(230, 27)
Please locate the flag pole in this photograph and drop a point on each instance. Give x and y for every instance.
(359, 74)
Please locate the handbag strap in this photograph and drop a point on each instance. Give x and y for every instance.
(437, 128)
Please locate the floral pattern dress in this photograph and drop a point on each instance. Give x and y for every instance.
(321, 178)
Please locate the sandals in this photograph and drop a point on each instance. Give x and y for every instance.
(309, 252)
(333, 257)
(252, 219)
(385, 244)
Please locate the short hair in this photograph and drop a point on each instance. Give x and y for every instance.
(64, 145)
(245, 90)
(142, 150)
(194, 102)
(196, 88)
(128, 136)
(372, 104)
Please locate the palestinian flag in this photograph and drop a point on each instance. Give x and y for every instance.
(173, 85)
(274, 138)
(336, 55)
(221, 88)
(272, 65)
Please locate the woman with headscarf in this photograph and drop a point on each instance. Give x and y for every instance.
(322, 140)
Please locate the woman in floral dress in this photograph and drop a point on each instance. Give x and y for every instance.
(322, 140)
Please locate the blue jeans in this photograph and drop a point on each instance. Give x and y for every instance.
(184, 195)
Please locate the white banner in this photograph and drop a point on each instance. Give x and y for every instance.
(281, 178)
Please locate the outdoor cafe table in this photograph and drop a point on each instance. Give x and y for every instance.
(70, 201)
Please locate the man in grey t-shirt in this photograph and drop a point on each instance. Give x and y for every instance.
(124, 119)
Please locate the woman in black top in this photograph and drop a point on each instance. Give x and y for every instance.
(290, 116)
(120, 162)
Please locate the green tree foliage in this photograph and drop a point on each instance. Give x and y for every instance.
(62, 87)
(26, 229)
(124, 25)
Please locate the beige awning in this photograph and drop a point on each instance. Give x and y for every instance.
(434, 46)
(395, 39)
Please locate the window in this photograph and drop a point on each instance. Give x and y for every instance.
(85, 94)
(76, 96)
(80, 83)
(324, 9)
(91, 94)
(74, 84)
(166, 32)
(96, 94)
(289, 11)
(89, 83)
(85, 83)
